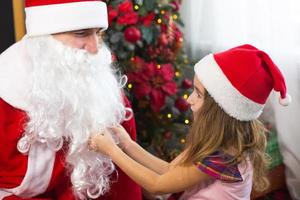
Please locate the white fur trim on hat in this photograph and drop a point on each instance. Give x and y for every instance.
(224, 93)
(58, 18)
(285, 101)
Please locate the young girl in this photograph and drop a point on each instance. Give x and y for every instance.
(225, 150)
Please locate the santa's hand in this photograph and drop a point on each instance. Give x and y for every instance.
(102, 142)
(123, 137)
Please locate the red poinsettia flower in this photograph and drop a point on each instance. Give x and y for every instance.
(112, 14)
(128, 18)
(125, 7)
(148, 19)
(155, 82)
(125, 14)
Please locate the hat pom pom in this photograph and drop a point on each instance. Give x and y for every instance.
(285, 101)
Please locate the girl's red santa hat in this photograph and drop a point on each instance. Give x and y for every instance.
(240, 80)
(44, 17)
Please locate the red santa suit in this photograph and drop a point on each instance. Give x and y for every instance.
(41, 173)
(14, 165)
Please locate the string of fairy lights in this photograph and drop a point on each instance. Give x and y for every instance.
(159, 20)
(185, 96)
(130, 86)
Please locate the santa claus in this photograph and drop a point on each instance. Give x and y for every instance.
(57, 87)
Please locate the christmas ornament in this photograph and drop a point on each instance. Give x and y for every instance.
(132, 34)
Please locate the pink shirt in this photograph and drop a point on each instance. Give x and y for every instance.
(219, 190)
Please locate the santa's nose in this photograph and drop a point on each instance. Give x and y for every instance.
(91, 44)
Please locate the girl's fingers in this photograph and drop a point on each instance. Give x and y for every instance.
(117, 131)
(91, 143)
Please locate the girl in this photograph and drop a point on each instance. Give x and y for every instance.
(225, 150)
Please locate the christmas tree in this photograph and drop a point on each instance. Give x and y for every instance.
(147, 43)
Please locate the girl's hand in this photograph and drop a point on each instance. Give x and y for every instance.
(123, 136)
(102, 142)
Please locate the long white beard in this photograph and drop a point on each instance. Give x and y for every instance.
(74, 94)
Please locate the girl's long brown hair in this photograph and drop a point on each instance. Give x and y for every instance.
(214, 130)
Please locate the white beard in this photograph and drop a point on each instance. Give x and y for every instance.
(74, 94)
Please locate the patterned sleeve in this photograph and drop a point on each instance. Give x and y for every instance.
(216, 165)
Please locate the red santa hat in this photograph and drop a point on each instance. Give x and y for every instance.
(240, 80)
(45, 17)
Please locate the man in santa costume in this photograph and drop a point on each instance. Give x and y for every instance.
(57, 87)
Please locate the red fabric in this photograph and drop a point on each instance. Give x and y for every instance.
(30, 3)
(252, 72)
(13, 164)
